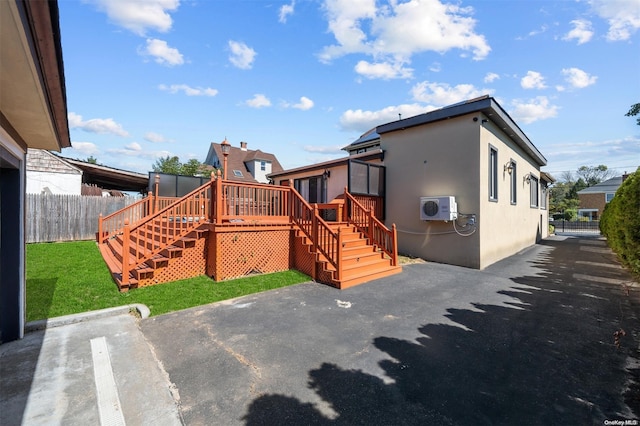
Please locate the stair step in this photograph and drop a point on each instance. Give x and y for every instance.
(365, 276)
(360, 259)
(186, 242)
(172, 252)
(365, 264)
(357, 250)
(157, 261)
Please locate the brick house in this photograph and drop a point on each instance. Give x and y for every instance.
(594, 199)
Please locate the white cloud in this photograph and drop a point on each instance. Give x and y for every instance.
(623, 17)
(285, 11)
(336, 149)
(304, 104)
(188, 90)
(442, 94)
(258, 101)
(532, 110)
(361, 121)
(435, 67)
(87, 148)
(96, 125)
(383, 70)
(155, 137)
(577, 78)
(393, 33)
(134, 149)
(491, 77)
(582, 31)
(242, 56)
(162, 53)
(140, 16)
(533, 80)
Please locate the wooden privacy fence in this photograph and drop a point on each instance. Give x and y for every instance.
(54, 217)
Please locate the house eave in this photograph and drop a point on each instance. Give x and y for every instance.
(485, 105)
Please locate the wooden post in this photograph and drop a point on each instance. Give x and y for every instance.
(314, 242)
(99, 236)
(339, 256)
(370, 232)
(291, 198)
(212, 197)
(345, 211)
(157, 185)
(125, 252)
(219, 206)
(394, 237)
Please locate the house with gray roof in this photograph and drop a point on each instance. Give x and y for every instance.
(594, 198)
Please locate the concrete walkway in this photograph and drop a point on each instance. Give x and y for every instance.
(529, 340)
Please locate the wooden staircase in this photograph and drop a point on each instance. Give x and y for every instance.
(150, 271)
(361, 261)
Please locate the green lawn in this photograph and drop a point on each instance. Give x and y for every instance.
(69, 278)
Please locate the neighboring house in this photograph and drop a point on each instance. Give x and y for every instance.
(33, 114)
(471, 151)
(595, 198)
(49, 174)
(244, 165)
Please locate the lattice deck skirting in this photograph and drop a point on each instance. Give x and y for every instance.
(235, 252)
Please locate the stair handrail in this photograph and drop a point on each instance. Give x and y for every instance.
(176, 220)
(366, 222)
(325, 241)
(113, 223)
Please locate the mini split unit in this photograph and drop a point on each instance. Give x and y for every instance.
(438, 208)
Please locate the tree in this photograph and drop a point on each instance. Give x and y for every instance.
(633, 111)
(168, 164)
(191, 167)
(173, 166)
(594, 175)
(92, 160)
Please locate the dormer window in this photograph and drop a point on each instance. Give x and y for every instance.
(263, 165)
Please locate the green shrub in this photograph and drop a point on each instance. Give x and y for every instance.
(620, 222)
(571, 214)
(552, 229)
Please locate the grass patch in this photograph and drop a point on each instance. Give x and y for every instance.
(70, 278)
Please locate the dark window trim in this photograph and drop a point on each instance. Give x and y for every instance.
(493, 173)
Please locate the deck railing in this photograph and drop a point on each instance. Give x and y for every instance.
(147, 238)
(113, 224)
(239, 201)
(365, 220)
(325, 241)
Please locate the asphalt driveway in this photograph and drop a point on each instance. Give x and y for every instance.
(529, 340)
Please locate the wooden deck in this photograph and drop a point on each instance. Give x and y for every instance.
(227, 229)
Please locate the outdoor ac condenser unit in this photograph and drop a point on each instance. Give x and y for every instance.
(438, 208)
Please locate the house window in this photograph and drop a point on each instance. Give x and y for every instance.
(237, 173)
(543, 196)
(263, 165)
(535, 191)
(513, 178)
(609, 196)
(493, 174)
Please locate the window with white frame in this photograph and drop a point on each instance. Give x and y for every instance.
(543, 195)
(609, 196)
(534, 188)
(493, 174)
(263, 165)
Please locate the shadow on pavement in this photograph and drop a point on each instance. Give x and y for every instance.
(550, 360)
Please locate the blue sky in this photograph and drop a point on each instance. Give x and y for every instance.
(303, 78)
